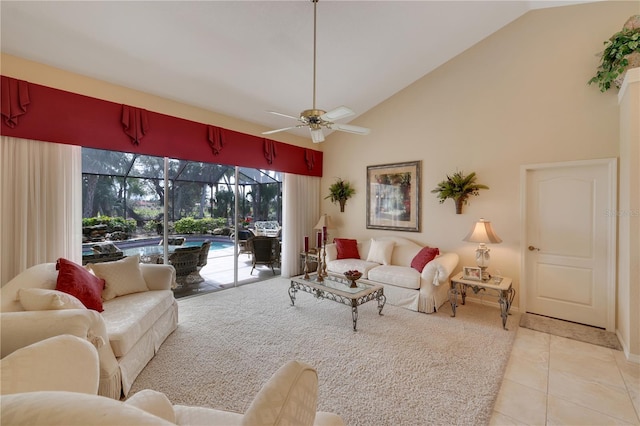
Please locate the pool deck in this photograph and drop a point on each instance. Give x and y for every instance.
(218, 273)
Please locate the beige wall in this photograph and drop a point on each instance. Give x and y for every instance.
(518, 97)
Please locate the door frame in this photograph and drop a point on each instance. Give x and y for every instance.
(609, 211)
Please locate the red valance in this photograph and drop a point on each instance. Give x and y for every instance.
(14, 97)
(135, 122)
(69, 118)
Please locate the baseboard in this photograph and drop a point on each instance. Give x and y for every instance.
(635, 358)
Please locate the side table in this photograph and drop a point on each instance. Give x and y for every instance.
(506, 293)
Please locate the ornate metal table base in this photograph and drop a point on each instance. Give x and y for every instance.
(505, 296)
(354, 300)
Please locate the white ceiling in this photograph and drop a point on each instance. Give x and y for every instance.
(242, 58)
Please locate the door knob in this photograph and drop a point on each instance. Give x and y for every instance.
(532, 248)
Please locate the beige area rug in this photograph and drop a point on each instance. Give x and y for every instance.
(570, 330)
(401, 368)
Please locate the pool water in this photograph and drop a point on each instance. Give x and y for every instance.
(152, 248)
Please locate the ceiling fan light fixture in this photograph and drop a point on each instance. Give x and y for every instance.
(317, 136)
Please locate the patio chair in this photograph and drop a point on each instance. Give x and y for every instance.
(244, 235)
(264, 251)
(204, 254)
(185, 261)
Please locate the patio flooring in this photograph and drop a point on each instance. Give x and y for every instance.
(218, 273)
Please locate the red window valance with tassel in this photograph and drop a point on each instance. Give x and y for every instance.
(55, 115)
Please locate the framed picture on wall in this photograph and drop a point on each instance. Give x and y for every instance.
(393, 196)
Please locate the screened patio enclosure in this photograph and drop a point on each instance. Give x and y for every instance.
(133, 178)
(177, 196)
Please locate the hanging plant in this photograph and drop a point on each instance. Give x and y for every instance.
(621, 52)
(459, 187)
(339, 192)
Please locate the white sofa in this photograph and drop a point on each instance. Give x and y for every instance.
(403, 285)
(127, 334)
(66, 395)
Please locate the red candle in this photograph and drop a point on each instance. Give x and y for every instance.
(318, 239)
(324, 234)
(306, 244)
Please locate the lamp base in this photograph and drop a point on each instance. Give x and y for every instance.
(485, 275)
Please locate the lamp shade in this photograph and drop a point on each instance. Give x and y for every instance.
(324, 221)
(482, 232)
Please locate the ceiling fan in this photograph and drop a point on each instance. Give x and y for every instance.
(315, 119)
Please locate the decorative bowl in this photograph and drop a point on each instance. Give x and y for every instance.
(353, 276)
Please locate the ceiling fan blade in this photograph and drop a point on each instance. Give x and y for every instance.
(283, 115)
(351, 129)
(280, 130)
(337, 114)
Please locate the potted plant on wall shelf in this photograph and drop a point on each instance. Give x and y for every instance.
(621, 52)
(340, 191)
(459, 187)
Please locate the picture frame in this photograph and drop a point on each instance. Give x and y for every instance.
(393, 196)
(473, 273)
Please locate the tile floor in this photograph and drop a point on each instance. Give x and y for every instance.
(553, 380)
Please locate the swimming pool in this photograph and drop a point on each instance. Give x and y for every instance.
(148, 246)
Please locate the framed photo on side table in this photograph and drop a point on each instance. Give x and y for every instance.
(393, 196)
(471, 273)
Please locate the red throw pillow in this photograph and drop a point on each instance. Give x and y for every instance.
(75, 280)
(424, 256)
(347, 249)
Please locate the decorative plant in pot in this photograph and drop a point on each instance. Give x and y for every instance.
(459, 187)
(621, 52)
(340, 191)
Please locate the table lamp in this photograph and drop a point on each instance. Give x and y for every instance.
(482, 233)
(323, 223)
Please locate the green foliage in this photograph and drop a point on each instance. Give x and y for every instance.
(340, 190)
(113, 223)
(614, 57)
(458, 186)
(189, 225)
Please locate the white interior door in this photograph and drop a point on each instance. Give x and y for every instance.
(569, 241)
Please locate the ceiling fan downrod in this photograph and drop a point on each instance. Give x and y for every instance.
(315, 12)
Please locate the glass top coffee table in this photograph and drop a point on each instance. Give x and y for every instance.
(337, 288)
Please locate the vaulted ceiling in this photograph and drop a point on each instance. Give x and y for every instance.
(242, 58)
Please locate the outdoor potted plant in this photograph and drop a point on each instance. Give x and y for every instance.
(459, 187)
(621, 52)
(340, 191)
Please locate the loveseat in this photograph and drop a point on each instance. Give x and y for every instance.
(126, 309)
(410, 279)
(65, 394)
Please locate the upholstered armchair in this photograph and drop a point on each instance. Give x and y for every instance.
(54, 382)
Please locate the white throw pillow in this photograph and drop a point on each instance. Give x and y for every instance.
(380, 251)
(121, 277)
(42, 299)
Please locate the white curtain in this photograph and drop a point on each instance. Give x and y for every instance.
(40, 204)
(300, 212)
